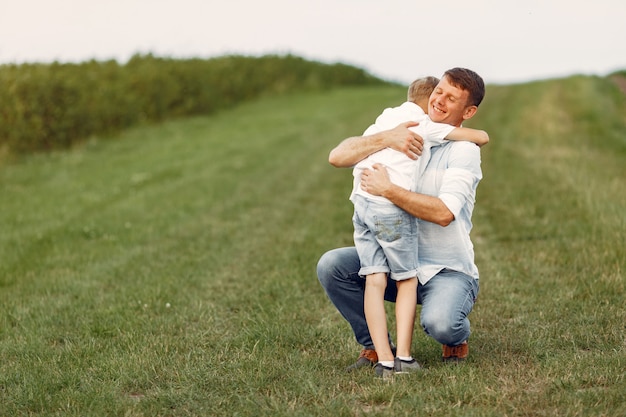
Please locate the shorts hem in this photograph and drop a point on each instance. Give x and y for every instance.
(369, 270)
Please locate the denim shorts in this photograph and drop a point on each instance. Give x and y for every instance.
(385, 237)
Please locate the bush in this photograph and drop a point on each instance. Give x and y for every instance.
(50, 106)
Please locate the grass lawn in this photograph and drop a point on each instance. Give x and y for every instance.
(171, 271)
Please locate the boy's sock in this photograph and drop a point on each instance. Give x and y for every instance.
(405, 358)
(386, 364)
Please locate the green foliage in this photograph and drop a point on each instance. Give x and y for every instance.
(172, 273)
(52, 106)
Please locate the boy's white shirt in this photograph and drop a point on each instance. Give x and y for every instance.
(403, 170)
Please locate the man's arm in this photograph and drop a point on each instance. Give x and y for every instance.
(479, 137)
(354, 149)
(422, 206)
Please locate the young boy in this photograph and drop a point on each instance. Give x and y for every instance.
(385, 236)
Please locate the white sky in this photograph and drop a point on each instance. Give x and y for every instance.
(503, 40)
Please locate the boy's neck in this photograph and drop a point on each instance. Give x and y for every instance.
(423, 104)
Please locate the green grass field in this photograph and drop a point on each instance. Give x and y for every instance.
(171, 271)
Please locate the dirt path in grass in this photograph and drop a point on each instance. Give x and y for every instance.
(620, 81)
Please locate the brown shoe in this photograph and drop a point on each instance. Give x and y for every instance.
(367, 357)
(455, 353)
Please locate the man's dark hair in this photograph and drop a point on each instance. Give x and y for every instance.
(466, 79)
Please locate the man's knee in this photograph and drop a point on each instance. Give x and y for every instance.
(446, 329)
(337, 264)
(326, 267)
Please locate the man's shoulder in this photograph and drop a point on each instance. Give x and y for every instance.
(463, 146)
(457, 150)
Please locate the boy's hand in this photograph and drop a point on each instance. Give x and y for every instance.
(404, 140)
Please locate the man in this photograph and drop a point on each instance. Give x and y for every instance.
(442, 204)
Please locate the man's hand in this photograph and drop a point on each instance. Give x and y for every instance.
(376, 180)
(404, 140)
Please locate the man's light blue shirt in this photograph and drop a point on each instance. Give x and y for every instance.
(452, 174)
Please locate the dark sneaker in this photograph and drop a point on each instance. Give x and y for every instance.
(383, 372)
(367, 357)
(404, 367)
(455, 354)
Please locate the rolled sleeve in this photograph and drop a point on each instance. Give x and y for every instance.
(461, 178)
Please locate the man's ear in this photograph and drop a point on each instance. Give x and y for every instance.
(469, 112)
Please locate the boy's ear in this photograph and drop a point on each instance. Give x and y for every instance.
(469, 112)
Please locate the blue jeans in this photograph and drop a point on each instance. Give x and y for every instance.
(446, 299)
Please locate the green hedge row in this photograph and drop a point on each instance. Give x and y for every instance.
(49, 106)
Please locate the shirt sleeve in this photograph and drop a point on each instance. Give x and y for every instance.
(435, 133)
(371, 130)
(461, 176)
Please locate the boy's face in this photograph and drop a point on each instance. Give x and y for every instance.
(448, 104)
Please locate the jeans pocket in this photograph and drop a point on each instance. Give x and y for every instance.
(389, 227)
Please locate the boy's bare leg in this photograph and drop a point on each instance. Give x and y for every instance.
(374, 306)
(406, 302)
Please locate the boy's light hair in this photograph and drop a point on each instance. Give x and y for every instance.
(421, 88)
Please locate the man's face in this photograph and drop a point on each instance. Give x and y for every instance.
(448, 104)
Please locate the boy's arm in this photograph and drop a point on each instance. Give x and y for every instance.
(479, 137)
